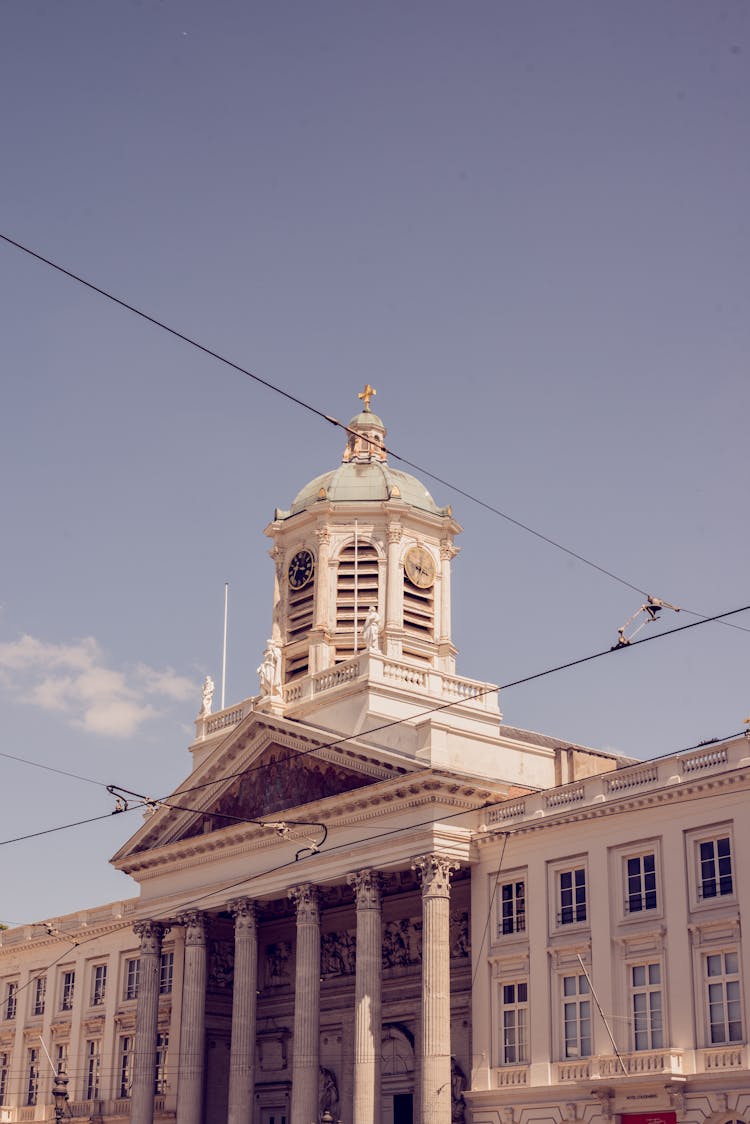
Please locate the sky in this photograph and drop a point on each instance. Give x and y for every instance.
(525, 223)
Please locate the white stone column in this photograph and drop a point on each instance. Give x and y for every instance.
(306, 1057)
(435, 1100)
(146, 1021)
(394, 594)
(367, 996)
(193, 1036)
(244, 1004)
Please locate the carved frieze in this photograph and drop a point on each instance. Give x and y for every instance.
(220, 965)
(338, 954)
(277, 969)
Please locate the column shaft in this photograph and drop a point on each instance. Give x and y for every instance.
(435, 1107)
(146, 1022)
(306, 1059)
(367, 997)
(244, 1002)
(192, 1038)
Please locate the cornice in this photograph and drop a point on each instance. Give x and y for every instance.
(358, 806)
(677, 793)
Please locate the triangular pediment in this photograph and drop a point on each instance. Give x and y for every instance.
(273, 783)
(263, 768)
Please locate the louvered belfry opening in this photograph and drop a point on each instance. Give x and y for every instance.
(419, 618)
(358, 567)
(299, 622)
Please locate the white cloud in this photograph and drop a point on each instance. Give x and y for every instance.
(73, 679)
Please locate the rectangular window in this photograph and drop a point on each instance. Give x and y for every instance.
(514, 1010)
(572, 895)
(715, 867)
(32, 1072)
(11, 1000)
(723, 998)
(98, 984)
(4, 1066)
(92, 1068)
(162, 1045)
(68, 989)
(646, 1005)
(576, 1016)
(166, 973)
(132, 970)
(125, 1066)
(39, 994)
(511, 908)
(640, 890)
(61, 1057)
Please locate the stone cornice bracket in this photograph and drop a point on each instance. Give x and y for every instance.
(368, 888)
(244, 911)
(306, 897)
(151, 934)
(435, 872)
(675, 1090)
(196, 924)
(606, 1099)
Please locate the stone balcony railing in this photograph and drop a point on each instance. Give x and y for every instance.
(630, 781)
(374, 669)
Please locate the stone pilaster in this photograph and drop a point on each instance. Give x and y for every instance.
(244, 997)
(367, 996)
(435, 1100)
(151, 934)
(306, 1057)
(193, 1035)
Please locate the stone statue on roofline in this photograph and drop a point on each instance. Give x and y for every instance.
(371, 630)
(270, 670)
(207, 697)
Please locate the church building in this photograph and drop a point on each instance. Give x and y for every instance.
(372, 901)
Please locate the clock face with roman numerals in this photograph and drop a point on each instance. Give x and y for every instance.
(301, 569)
(420, 567)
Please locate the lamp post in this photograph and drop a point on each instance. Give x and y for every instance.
(60, 1094)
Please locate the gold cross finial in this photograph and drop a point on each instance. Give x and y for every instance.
(366, 395)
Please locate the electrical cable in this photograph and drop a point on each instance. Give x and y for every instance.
(328, 418)
(444, 706)
(51, 769)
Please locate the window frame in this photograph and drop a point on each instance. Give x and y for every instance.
(4, 1074)
(92, 1068)
(166, 972)
(67, 988)
(98, 992)
(125, 1050)
(10, 1005)
(131, 978)
(723, 980)
(696, 842)
(558, 904)
(656, 1035)
(511, 923)
(38, 996)
(519, 1007)
(582, 997)
(32, 1076)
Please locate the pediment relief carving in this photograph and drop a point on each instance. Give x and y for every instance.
(273, 783)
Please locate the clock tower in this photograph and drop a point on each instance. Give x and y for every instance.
(362, 563)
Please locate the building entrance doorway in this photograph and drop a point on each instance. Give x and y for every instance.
(403, 1108)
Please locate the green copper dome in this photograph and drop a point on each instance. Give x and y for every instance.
(364, 475)
(363, 483)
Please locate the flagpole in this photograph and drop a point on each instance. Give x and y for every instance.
(224, 648)
(356, 580)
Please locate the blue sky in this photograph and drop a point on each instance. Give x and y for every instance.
(526, 224)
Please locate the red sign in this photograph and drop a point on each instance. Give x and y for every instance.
(649, 1118)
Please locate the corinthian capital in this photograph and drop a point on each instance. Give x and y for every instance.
(195, 923)
(151, 934)
(435, 872)
(306, 897)
(245, 913)
(368, 885)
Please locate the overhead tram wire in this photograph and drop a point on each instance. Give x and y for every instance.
(223, 889)
(444, 706)
(331, 420)
(151, 801)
